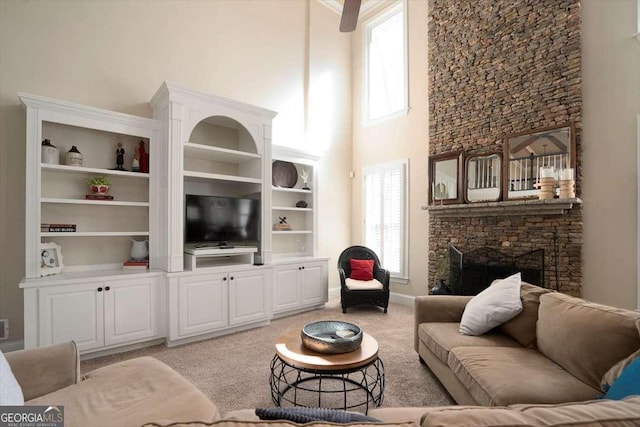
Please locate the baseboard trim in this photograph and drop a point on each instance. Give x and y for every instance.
(205, 336)
(298, 311)
(401, 299)
(119, 349)
(394, 297)
(9, 346)
(334, 292)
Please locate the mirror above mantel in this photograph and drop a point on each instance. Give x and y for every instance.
(483, 178)
(525, 153)
(445, 178)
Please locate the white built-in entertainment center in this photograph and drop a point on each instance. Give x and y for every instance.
(201, 147)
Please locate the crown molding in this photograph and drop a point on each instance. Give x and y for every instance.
(333, 5)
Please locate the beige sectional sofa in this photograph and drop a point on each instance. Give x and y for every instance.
(129, 393)
(556, 350)
(515, 369)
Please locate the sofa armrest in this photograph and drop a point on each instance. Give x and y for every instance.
(437, 308)
(43, 370)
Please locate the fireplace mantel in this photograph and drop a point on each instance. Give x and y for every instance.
(507, 208)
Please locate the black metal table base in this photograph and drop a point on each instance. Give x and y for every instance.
(355, 389)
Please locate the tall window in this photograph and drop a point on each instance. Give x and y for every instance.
(385, 215)
(386, 65)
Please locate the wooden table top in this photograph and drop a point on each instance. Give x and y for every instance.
(289, 348)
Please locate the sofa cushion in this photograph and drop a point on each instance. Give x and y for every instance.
(522, 328)
(398, 414)
(492, 307)
(441, 337)
(499, 376)
(585, 338)
(591, 413)
(239, 423)
(363, 285)
(131, 393)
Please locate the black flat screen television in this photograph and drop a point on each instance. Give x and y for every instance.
(221, 220)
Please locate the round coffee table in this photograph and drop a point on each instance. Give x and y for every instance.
(302, 377)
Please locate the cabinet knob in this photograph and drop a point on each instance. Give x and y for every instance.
(107, 288)
(299, 268)
(224, 279)
(100, 289)
(303, 267)
(231, 277)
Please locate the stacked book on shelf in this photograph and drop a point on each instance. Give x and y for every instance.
(134, 264)
(57, 228)
(98, 197)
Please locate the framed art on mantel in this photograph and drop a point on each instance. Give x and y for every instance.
(445, 178)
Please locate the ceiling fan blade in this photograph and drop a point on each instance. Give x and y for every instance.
(350, 12)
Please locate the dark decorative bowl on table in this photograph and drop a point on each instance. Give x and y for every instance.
(331, 336)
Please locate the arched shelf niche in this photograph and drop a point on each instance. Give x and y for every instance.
(222, 157)
(228, 133)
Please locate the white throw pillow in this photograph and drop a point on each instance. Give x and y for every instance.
(10, 391)
(492, 307)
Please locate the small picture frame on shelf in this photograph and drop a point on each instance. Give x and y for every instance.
(50, 258)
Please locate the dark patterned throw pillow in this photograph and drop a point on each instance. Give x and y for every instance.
(306, 415)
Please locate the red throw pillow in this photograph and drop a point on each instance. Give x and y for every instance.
(361, 269)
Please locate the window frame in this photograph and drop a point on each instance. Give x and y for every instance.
(369, 25)
(402, 276)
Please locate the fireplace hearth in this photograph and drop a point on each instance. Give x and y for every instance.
(473, 271)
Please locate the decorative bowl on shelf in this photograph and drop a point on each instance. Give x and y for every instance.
(331, 336)
(283, 174)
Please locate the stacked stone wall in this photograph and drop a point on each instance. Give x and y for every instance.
(498, 67)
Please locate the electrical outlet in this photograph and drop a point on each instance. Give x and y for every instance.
(4, 329)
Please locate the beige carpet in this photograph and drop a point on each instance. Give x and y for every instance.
(233, 370)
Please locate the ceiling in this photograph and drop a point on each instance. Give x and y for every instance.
(367, 8)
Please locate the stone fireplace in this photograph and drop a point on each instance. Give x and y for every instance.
(473, 271)
(498, 67)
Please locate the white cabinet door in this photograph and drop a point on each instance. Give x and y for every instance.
(72, 312)
(248, 296)
(285, 289)
(130, 310)
(202, 303)
(313, 283)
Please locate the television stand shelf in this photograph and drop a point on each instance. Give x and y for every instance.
(214, 256)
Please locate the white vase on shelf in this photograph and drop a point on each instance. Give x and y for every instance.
(139, 249)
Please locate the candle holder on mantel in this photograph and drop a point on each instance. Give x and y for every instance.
(547, 183)
(567, 184)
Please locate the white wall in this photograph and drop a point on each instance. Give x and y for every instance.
(115, 54)
(611, 102)
(329, 131)
(400, 138)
